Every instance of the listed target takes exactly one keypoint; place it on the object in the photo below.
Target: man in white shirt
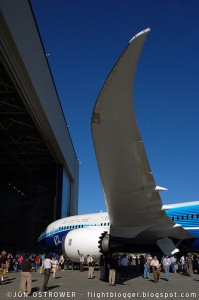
(90, 263)
(173, 261)
(166, 265)
(155, 268)
(81, 262)
(47, 268)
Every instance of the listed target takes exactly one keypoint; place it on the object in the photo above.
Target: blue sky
(85, 38)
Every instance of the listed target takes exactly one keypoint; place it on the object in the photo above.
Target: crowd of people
(185, 265)
(113, 268)
(116, 268)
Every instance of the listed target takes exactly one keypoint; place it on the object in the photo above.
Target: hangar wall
(25, 73)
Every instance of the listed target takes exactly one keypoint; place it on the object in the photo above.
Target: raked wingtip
(139, 34)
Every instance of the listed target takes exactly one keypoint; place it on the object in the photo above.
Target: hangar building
(39, 169)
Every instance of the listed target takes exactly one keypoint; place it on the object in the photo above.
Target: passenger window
(70, 242)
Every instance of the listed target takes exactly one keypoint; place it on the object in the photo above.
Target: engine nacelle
(84, 241)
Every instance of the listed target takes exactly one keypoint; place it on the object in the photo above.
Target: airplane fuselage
(53, 235)
(184, 214)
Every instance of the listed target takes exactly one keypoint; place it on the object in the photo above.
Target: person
(113, 266)
(16, 263)
(189, 265)
(137, 262)
(67, 263)
(133, 263)
(155, 268)
(1, 275)
(102, 267)
(90, 263)
(8, 261)
(61, 262)
(182, 260)
(57, 257)
(124, 263)
(166, 265)
(141, 260)
(20, 259)
(26, 279)
(81, 262)
(37, 262)
(54, 264)
(32, 260)
(197, 261)
(173, 263)
(2, 267)
(3, 261)
(183, 266)
(146, 267)
(47, 268)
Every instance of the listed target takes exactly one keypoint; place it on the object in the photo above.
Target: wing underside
(133, 202)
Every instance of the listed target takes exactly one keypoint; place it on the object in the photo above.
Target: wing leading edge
(131, 195)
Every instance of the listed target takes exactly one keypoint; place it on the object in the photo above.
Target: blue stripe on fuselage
(53, 241)
(187, 216)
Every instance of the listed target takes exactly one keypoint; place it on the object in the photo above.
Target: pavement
(73, 284)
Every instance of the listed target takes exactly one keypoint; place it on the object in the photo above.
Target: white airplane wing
(131, 195)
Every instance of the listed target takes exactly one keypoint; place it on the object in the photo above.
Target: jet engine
(83, 241)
